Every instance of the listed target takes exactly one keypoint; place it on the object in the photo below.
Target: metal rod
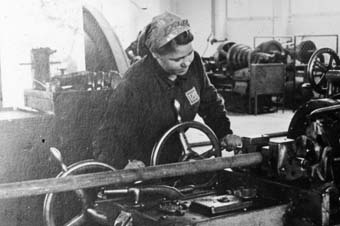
(273, 37)
(324, 35)
(200, 144)
(319, 111)
(120, 177)
(277, 134)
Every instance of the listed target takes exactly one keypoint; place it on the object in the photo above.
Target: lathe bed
(269, 203)
(207, 207)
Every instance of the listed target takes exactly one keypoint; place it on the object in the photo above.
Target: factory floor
(246, 125)
(251, 125)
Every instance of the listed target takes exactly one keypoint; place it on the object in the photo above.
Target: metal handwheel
(187, 153)
(319, 64)
(87, 212)
(187, 148)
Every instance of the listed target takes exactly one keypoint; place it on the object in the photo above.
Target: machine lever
(184, 140)
(167, 191)
(57, 155)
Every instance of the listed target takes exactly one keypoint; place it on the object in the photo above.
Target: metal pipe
(317, 112)
(276, 134)
(119, 177)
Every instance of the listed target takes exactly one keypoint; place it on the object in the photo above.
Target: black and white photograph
(169, 113)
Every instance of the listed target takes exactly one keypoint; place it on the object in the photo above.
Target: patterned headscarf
(162, 29)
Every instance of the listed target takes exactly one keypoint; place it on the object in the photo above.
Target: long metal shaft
(120, 177)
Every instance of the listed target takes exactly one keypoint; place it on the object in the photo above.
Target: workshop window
(249, 8)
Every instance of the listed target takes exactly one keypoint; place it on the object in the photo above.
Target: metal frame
(273, 37)
(324, 35)
(311, 36)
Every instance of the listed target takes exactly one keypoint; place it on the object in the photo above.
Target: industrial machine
(285, 178)
(323, 72)
(301, 89)
(241, 73)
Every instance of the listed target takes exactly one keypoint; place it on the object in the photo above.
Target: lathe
(285, 178)
(288, 178)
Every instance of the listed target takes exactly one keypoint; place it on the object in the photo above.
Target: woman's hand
(231, 142)
(134, 164)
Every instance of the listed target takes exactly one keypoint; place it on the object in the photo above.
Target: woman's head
(169, 40)
(163, 29)
(177, 55)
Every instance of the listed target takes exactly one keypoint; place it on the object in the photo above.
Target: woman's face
(177, 61)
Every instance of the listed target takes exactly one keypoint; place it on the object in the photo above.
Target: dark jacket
(141, 110)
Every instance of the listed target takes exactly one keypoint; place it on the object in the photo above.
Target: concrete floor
(246, 125)
(251, 125)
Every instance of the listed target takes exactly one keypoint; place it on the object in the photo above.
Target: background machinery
(274, 72)
(235, 69)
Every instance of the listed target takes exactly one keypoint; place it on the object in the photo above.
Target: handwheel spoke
(331, 58)
(184, 142)
(321, 66)
(321, 62)
(159, 156)
(318, 70)
(190, 155)
(208, 153)
(322, 80)
(97, 216)
(84, 195)
(77, 220)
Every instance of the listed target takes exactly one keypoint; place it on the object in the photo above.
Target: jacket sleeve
(212, 108)
(120, 122)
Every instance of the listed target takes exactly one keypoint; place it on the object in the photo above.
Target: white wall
(250, 23)
(199, 14)
(243, 31)
(286, 22)
(316, 25)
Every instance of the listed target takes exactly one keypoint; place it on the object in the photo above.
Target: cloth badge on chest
(192, 96)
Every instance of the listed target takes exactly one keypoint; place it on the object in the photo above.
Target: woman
(141, 108)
